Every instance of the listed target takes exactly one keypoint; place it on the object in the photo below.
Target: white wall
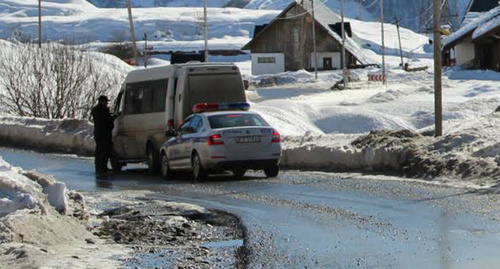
(268, 68)
(336, 59)
(465, 52)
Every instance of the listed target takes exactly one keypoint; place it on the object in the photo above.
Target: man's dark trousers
(103, 125)
(102, 153)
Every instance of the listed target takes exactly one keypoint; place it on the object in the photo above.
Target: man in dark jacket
(103, 125)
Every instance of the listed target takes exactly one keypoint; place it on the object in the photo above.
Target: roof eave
(249, 44)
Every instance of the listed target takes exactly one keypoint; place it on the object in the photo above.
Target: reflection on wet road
(321, 220)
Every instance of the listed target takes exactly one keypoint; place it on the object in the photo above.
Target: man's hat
(103, 98)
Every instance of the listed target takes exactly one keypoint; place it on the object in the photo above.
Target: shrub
(53, 82)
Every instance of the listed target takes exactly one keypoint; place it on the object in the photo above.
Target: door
(188, 140)
(327, 63)
(176, 148)
(118, 133)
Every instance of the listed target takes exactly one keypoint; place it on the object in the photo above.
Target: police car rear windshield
(236, 120)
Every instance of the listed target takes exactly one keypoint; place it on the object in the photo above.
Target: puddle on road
(150, 260)
(224, 244)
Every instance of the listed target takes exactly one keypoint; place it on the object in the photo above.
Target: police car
(221, 137)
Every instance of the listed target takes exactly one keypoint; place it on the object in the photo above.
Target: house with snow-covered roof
(477, 43)
(286, 43)
(477, 8)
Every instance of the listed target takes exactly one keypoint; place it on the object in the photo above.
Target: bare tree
(53, 82)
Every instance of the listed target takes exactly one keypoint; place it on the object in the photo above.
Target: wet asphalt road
(321, 220)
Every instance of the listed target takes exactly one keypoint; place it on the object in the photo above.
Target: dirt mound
(429, 157)
(168, 233)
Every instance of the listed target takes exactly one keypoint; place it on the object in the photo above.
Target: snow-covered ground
(308, 112)
(174, 28)
(367, 127)
(41, 219)
(80, 22)
(327, 128)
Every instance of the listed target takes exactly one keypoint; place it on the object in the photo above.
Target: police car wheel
(272, 171)
(165, 168)
(199, 173)
(239, 173)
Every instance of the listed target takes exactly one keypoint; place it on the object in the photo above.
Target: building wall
(292, 35)
(335, 56)
(487, 54)
(465, 52)
(265, 66)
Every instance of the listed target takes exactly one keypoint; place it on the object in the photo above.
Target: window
(118, 105)
(185, 127)
(212, 88)
(266, 60)
(191, 126)
(197, 123)
(146, 97)
(236, 120)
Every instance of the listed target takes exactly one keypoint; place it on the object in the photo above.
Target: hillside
(168, 3)
(78, 21)
(414, 14)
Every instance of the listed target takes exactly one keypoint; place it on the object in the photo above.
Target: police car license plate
(248, 139)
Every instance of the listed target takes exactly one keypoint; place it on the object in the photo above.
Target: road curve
(321, 220)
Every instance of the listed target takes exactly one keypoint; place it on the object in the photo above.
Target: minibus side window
(145, 97)
(159, 95)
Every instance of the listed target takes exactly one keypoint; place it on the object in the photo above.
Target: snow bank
(43, 225)
(18, 192)
(468, 154)
(30, 190)
(67, 135)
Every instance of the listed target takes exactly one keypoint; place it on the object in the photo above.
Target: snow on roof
(326, 17)
(472, 26)
(486, 27)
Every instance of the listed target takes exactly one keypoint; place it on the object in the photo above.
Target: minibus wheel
(153, 162)
(115, 165)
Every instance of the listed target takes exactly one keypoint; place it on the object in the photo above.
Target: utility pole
(360, 10)
(145, 37)
(400, 47)
(457, 18)
(345, 76)
(205, 28)
(40, 24)
(132, 32)
(438, 102)
(314, 41)
(383, 39)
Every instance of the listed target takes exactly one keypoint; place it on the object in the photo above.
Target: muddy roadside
(123, 229)
(167, 234)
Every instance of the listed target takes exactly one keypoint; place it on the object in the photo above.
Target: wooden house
(476, 44)
(286, 43)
